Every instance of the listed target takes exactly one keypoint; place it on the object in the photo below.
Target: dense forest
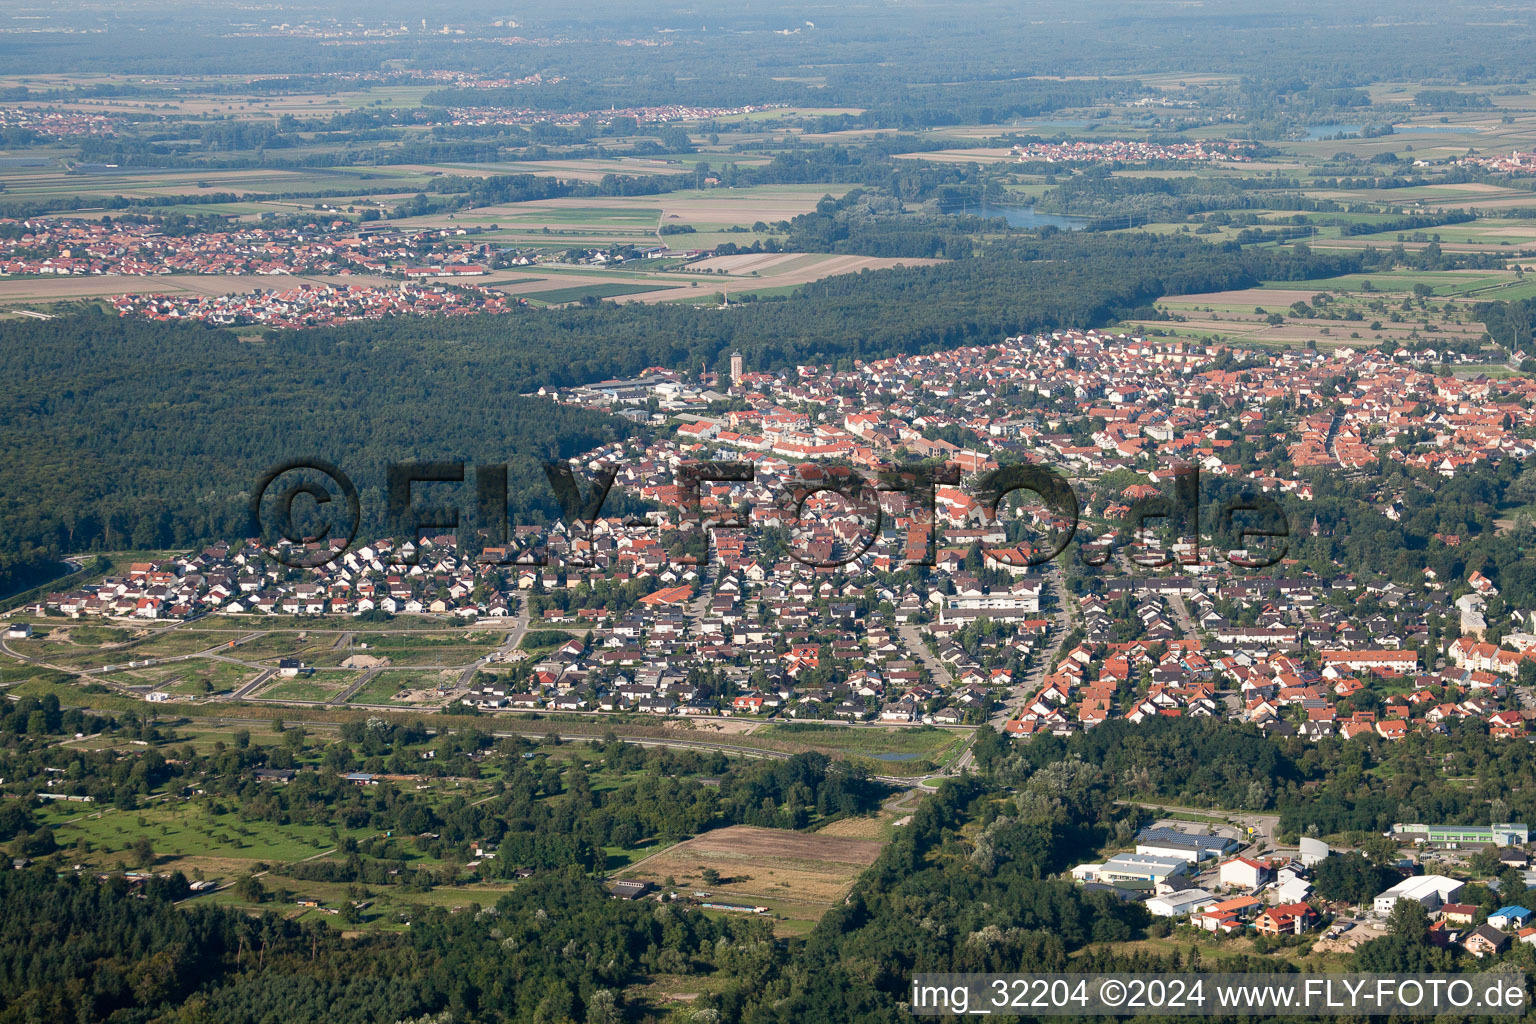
(73, 948)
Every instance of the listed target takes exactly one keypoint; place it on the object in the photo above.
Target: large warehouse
(1430, 891)
(1464, 835)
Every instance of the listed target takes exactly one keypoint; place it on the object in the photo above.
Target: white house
(1242, 873)
(1180, 904)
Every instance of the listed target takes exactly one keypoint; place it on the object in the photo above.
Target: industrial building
(1171, 842)
(1430, 891)
(1463, 835)
(1132, 867)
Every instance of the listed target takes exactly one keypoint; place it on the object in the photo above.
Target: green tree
(249, 889)
(143, 852)
(1408, 921)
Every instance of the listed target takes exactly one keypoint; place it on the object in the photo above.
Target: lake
(1319, 132)
(1020, 216)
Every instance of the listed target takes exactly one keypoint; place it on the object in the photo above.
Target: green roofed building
(1464, 835)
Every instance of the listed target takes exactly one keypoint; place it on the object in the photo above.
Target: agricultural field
(267, 185)
(1419, 308)
(740, 274)
(979, 155)
(591, 169)
(797, 875)
(600, 290)
(893, 814)
(635, 219)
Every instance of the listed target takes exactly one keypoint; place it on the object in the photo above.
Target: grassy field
(386, 908)
(899, 750)
(616, 858)
(12, 675)
(633, 218)
(697, 281)
(386, 685)
(190, 678)
(183, 830)
(545, 639)
(274, 646)
(334, 624)
(320, 686)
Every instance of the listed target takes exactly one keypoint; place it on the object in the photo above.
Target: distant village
(57, 124)
(315, 305)
(1514, 162)
(331, 244)
(1133, 151)
(480, 116)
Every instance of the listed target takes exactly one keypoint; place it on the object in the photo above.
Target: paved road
(345, 695)
(514, 637)
(698, 607)
(253, 685)
(1181, 616)
(912, 639)
(1061, 626)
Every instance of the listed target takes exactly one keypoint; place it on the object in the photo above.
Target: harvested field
(573, 170)
(961, 156)
(741, 272)
(856, 828)
(775, 270)
(639, 216)
(764, 863)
